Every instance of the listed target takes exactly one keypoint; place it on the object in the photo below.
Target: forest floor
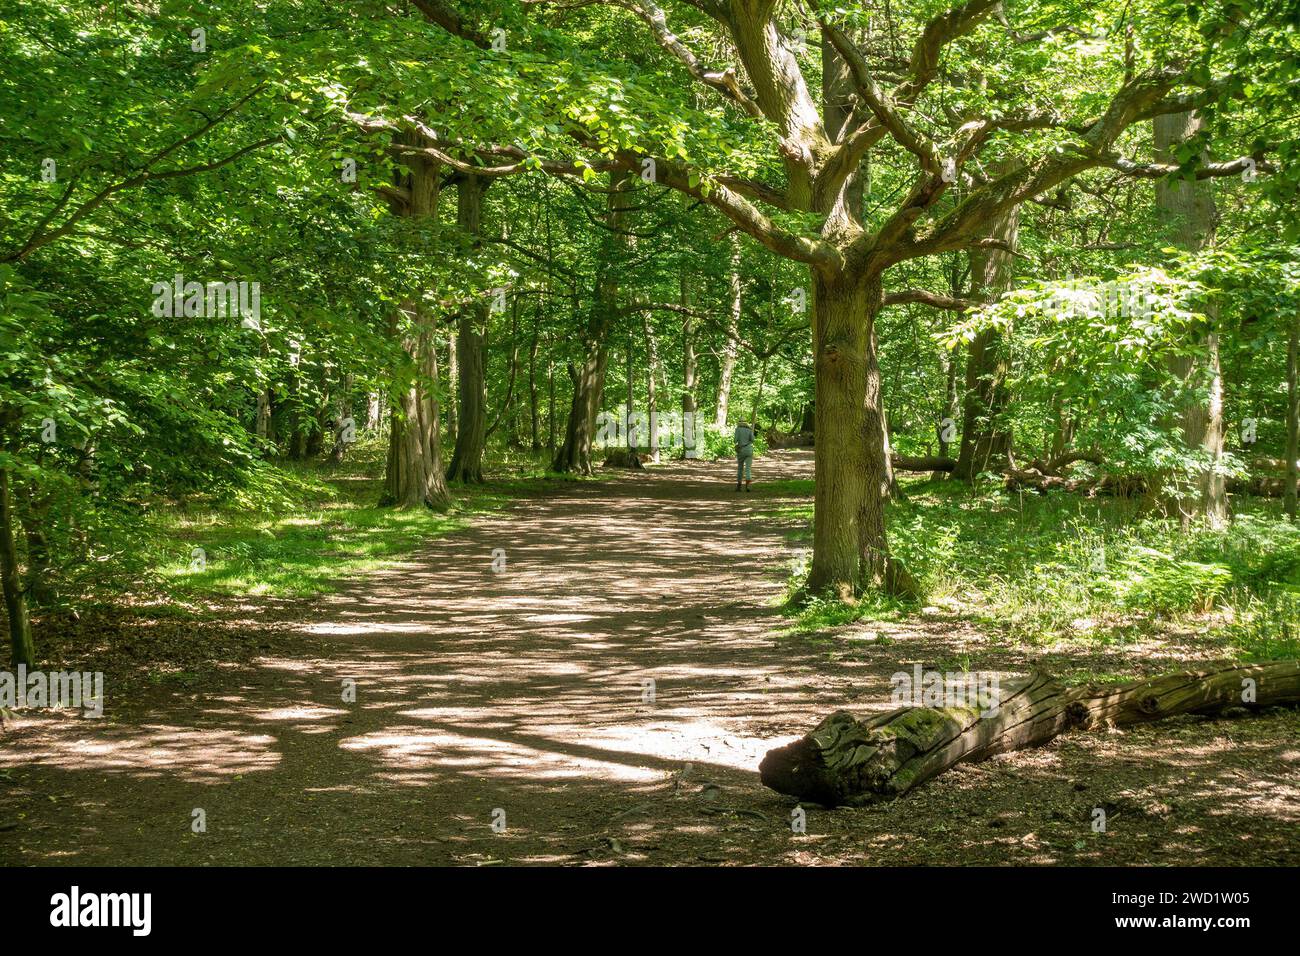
(518, 694)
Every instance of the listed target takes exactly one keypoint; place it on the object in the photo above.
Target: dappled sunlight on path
(598, 671)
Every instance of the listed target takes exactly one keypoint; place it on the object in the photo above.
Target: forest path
(523, 690)
(522, 687)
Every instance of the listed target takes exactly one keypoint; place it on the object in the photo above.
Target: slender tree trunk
(550, 397)
(876, 398)
(633, 439)
(22, 650)
(298, 433)
(730, 347)
(342, 412)
(1292, 419)
(453, 384)
(471, 425)
(40, 573)
(757, 404)
(652, 374)
(316, 436)
(262, 420)
(263, 423)
(948, 411)
(535, 442)
(507, 404)
(690, 403)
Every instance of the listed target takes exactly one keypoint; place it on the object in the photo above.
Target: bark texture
(847, 761)
(471, 343)
(22, 650)
(588, 374)
(985, 441)
(727, 357)
(1188, 209)
(413, 475)
(1292, 419)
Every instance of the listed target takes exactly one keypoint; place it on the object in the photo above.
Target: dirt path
(523, 689)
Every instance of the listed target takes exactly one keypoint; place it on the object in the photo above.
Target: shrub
(1157, 582)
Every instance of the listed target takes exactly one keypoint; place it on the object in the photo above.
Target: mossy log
(847, 761)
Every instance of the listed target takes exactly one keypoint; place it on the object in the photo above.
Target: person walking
(744, 455)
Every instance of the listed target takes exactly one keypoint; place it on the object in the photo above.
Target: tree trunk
(1292, 419)
(588, 376)
(22, 650)
(413, 476)
(316, 436)
(948, 410)
(453, 383)
(730, 348)
(471, 389)
(758, 394)
(851, 460)
(262, 425)
(535, 436)
(550, 396)
(850, 549)
(1189, 212)
(262, 417)
(690, 402)
(845, 761)
(876, 398)
(297, 447)
(651, 395)
(508, 403)
(342, 413)
(985, 442)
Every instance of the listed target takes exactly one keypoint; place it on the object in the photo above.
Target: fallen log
(1121, 486)
(624, 458)
(1063, 461)
(845, 761)
(776, 440)
(1268, 464)
(923, 463)
(1262, 486)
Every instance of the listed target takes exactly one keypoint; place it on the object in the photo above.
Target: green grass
(324, 527)
(1043, 569)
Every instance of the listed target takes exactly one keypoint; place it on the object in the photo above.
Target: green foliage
(301, 533)
(1156, 582)
(714, 442)
(1041, 569)
(1267, 628)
